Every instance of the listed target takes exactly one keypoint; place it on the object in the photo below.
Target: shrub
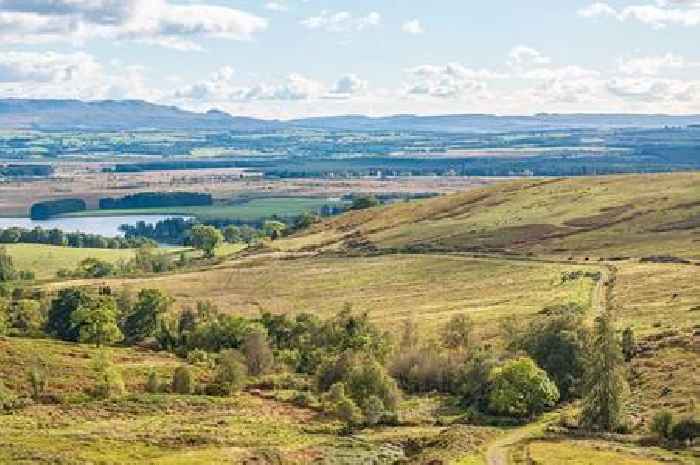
(230, 373)
(304, 399)
(369, 379)
(662, 423)
(109, 382)
(458, 333)
(152, 384)
(8, 400)
(183, 381)
(59, 322)
(200, 357)
(521, 389)
(257, 352)
(38, 379)
(7, 267)
(687, 429)
(374, 410)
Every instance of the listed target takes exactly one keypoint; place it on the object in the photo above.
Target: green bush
(108, 378)
(152, 384)
(230, 373)
(183, 381)
(521, 389)
(662, 423)
(8, 400)
(257, 352)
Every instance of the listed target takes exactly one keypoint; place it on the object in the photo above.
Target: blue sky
(290, 58)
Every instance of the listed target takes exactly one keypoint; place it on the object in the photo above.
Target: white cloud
(276, 6)
(342, 21)
(413, 27)
(349, 85)
(653, 65)
(523, 56)
(564, 72)
(69, 75)
(658, 14)
(655, 90)
(153, 21)
(449, 81)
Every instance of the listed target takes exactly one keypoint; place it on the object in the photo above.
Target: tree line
(156, 199)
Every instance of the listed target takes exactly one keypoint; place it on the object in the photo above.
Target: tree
(458, 332)
(257, 352)
(95, 268)
(521, 389)
(558, 341)
(206, 239)
(146, 315)
(230, 373)
(605, 385)
(60, 323)
(7, 267)
(108, 378)
(97, 322)
(274, 229)
(4, 319)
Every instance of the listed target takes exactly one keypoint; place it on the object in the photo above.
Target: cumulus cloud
(153, 21)
(654, 89)
(69, 75)
(523, 56)
(413, 27)
(349, 85)
(658, 14)
(342, 21)
(448, 81)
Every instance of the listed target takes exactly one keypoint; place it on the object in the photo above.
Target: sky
(298, 58)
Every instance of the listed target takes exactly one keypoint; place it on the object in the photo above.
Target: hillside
(615, 216)
(115, 115)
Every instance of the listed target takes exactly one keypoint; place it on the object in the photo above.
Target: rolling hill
(596, 217)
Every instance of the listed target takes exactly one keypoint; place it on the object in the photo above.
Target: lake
(107, 226)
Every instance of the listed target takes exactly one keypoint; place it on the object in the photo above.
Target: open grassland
(607, 216)
(392, 288)
(586, 453)
(249, 211)
(46, 260)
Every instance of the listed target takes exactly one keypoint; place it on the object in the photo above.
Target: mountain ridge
(108, 115)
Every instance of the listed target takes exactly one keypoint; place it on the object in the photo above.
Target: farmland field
(46, 260)
(246, 211)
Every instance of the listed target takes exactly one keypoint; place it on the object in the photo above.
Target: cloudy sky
(289, 58)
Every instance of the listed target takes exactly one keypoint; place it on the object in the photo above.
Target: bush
(7, 267)
(200, 357)
(152, 384)
(8, 400)
(662, 423)
(230, 373)
(521, 389)
(304, 399)
(38, 379)
(687, 429)
(109, 382)
(257, 352)
(183, 381)
(374, 410)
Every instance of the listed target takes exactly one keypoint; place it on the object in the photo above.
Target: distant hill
(116, 115)
(604, 216)
(120, 115)
(492, 123)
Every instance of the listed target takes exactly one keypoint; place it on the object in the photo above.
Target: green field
(46, 260)
(250, 211)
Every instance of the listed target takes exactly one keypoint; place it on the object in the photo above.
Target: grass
(392, 288)
(584, 453)
(250, 211)
(46, 260)
(636, 215)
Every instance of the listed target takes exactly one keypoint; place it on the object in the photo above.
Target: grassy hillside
(392, 288)
(609, 216)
